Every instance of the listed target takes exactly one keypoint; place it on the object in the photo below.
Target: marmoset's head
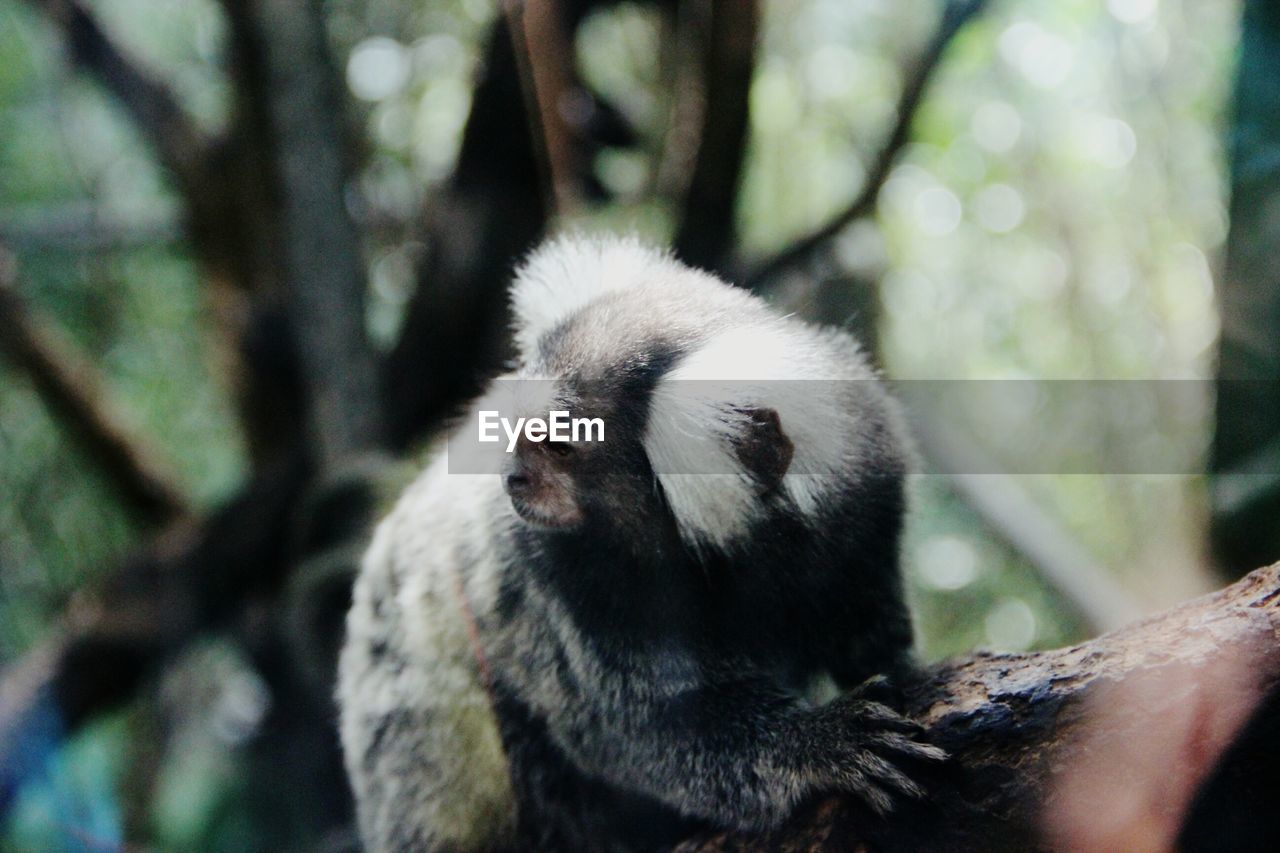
(716, 411)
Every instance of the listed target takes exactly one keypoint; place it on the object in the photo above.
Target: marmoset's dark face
(593, 482)
(541, 480)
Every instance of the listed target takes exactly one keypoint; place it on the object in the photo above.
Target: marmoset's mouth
(540, 516)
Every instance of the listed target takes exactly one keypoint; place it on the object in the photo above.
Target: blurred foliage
(1055, 219)
(135, 312)
(1058, 216)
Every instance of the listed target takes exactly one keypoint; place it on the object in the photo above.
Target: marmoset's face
(541, 480)
(600, 479)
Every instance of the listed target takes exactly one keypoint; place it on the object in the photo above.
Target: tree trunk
(1246, 447)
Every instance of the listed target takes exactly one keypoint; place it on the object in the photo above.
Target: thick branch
(1247, 390)
(954, 17)
(492, 213)
(71, 388)
(323, 268)
(1107, 745)
(708, 227)
(162, 120)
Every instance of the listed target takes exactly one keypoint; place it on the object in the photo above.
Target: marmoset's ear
(763, 448)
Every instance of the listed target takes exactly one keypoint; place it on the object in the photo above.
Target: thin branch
(682, 42)
(180, 145)
(707, 228)
(72, 389)
(954, 17)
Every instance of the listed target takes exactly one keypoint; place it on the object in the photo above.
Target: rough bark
(1102, 746)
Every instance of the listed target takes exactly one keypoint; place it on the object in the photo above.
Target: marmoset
(617, 643)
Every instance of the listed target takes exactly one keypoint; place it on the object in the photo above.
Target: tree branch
(324, 273)
(1247, 393)
(192, 578)
(1120, 743)
(544, 59)
(492, 212)
(71, 388)
(708, 227)
(181, 147)
(954, 17)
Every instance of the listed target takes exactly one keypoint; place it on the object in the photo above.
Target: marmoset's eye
(560, 448)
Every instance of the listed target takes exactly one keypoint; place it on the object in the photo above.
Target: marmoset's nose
(517, 476)
(517, 482)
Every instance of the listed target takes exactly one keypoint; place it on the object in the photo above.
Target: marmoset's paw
(868, 743)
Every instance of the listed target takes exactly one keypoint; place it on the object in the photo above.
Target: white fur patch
(567, 273)
(696, 413)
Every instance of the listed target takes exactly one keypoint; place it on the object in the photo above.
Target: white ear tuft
(565, 273)
(698, 408)
(688, 441)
